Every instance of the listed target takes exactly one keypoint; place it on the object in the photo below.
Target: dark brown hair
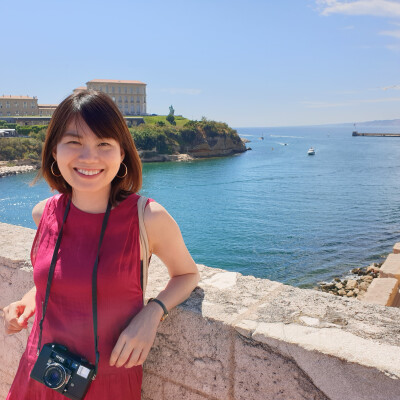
(103, 117)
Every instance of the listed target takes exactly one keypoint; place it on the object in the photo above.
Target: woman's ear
(122, 154)
(54, 154)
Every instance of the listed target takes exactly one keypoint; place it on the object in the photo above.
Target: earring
(52, 170)
(126, 171)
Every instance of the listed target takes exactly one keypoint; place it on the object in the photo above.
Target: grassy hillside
(155, 119)
(155, 134)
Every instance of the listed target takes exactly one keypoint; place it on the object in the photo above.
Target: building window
(25, 104)
(16, 104)
(32, 105)
(132, 100)
(25, 113)
(8, 113)
(126, 90)
(119, 99)
(7, 104)
(131, 90)
(1, 105)
(113, 99)
(119, 89)
(132, 109)
(112, 89)
(106, 88)
(137, 90)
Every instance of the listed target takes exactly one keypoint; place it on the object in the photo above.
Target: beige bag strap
(144, 244)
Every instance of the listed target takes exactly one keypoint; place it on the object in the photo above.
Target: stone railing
(239, 338)
(385, 289)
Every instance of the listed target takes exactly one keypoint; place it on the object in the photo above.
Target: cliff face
(196, 139)
(217, 146)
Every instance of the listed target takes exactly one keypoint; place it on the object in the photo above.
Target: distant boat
(311, 151)
(262, 137)
(285, 144)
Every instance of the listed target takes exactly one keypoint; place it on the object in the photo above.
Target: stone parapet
(391, 267)
(383, 291)
(238, 337)
(396, 248)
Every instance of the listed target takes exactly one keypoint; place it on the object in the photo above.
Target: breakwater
(238, 337)
(355, 133)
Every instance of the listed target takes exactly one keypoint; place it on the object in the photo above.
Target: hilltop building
(129, 96)
(24, 106)
(18, 105)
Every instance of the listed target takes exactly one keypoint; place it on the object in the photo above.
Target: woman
(90, 158)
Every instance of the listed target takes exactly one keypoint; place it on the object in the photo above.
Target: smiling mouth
(88, 172)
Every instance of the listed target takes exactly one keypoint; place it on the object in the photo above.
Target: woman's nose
(88, 153)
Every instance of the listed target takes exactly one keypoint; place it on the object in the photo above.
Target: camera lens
(54, 376)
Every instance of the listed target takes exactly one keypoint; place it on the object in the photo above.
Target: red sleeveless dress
(69, 318)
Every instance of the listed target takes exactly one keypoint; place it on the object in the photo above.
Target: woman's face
(86, 162)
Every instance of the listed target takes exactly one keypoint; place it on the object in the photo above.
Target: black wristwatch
(161, 304)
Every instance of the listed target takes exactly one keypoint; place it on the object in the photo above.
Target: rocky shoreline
(16, 169)
(355, 285)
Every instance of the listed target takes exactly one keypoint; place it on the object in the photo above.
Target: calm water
(272, 212)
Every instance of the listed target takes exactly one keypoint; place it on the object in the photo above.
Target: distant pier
(355, 133)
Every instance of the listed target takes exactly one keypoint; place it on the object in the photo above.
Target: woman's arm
(17, 314)
(165, 241)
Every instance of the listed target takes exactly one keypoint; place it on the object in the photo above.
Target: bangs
(98, 116)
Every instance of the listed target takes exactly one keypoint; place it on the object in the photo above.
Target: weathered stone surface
(262, 373)
(175, 392)
(16, 243)
(152, 386)
(196, 353)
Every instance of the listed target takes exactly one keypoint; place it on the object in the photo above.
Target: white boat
(311, 151)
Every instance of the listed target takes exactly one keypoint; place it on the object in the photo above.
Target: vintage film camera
(62, 371)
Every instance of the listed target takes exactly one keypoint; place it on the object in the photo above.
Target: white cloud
(395, 34)
(323, 104)
(395, 87)
(188, 91)
(377, 8)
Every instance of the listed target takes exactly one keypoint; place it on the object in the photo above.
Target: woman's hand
(135, 341)
(17, 314)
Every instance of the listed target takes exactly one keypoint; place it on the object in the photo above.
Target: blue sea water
(272, 212)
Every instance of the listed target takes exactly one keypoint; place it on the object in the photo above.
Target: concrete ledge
(238, 337)
(391, 267)
(396, 248)
(383, 291)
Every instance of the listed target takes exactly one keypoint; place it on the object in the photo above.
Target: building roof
(17, 97)
(114, 81)
(48, 105)
(81, 88)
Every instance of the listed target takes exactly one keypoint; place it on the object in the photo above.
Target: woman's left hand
(135, 341)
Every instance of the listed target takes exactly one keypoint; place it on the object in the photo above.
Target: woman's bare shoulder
(37, 211)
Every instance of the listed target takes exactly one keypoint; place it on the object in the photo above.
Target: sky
(248, 63)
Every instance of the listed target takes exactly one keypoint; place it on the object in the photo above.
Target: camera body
(63, 371)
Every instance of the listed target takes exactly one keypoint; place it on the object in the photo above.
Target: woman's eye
(104, 144)
(73, 142)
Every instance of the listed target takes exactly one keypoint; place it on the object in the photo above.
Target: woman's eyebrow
(72, 134)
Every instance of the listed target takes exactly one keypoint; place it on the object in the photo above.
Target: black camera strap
(94, 281)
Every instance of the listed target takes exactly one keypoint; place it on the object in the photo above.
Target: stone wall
(238, 337)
